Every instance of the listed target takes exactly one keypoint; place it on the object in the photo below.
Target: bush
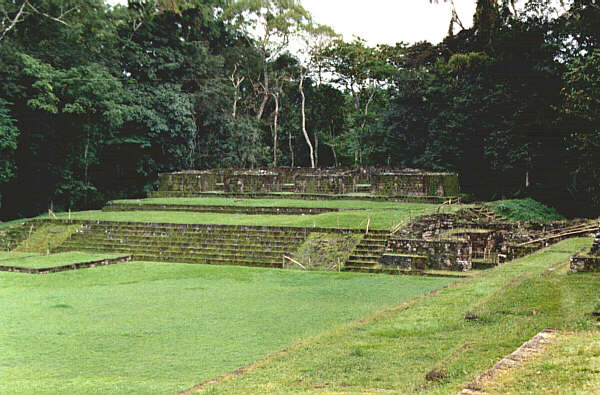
(525, 210)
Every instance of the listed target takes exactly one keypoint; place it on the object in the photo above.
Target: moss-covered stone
(327, 251)
(377, 182)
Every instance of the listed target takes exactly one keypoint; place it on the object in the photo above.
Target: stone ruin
(595, 250)
(385, 182)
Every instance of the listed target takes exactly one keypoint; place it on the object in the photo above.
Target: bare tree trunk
(14, 21)
(331, 143)
(334, 154)
(291, 147)
(261, 109)
(85, 158)
(316, 149)
(275, 119)
(310, 146)
(266, 90)
(236, 81)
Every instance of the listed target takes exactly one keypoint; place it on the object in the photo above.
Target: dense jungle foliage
(96, 100)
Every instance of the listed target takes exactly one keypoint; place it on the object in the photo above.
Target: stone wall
(441, 254)
(374, 181)
(585, 263)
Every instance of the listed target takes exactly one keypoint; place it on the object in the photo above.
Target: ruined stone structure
(595, 250)
(588, 261)
(369, 181)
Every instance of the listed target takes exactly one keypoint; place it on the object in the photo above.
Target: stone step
(189, 239)
(182, 244)
(365, 258)
(143, 232)
(167, 247)
(198, 255)
(359, 263)
(161, 229)
(367, 250)
(190, 252)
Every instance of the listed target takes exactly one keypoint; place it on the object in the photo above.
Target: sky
(386, 21)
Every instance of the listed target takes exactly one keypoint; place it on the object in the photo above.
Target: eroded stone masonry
(371, 181)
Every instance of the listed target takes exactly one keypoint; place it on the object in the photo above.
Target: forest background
(95, 100)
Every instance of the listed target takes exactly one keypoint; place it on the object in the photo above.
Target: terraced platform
(208, 244)
(303, 196)
(196, 208)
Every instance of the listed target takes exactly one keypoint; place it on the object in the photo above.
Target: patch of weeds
(327, 251)
(47, 238)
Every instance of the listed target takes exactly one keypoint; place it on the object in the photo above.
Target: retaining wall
(373, 181)
(441, 254)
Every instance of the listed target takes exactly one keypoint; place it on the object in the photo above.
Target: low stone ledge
(74, 266)
(581, 263)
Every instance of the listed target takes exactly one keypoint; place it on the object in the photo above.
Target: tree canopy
(96, 100)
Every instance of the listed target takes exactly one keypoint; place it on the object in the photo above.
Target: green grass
(525, 210)
(395, 350)
(209, 201)
(15, 255)
(160, 328)
(571, 365)
(36, 261)
(380, 218)
(44, 239)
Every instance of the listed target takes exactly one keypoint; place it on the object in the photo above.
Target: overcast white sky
(386, 21)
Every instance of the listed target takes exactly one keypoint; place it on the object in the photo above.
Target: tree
(8, 145)
(582, 111)
(315, 38)
(361, 71)
(270, 23)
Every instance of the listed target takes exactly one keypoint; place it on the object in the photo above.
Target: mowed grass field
(379, 215)
(160, 328)
(395, 350)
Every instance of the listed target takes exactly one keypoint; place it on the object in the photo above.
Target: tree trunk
(316, 150)
(275, 119)
(291, 147)
(266, 90)
(310, 146)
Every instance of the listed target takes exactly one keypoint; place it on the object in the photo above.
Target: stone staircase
(368, 252)
(206, 244)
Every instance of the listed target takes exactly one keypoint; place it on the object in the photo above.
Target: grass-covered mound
(459, 332)
(525, 210)
(144, 328)
(377, 215)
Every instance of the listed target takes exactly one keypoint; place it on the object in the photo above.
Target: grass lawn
(380, 218)
(216, 201)
(396, 349)
(35, 261)
(159, 328)
(5, 255)
(573, 362)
